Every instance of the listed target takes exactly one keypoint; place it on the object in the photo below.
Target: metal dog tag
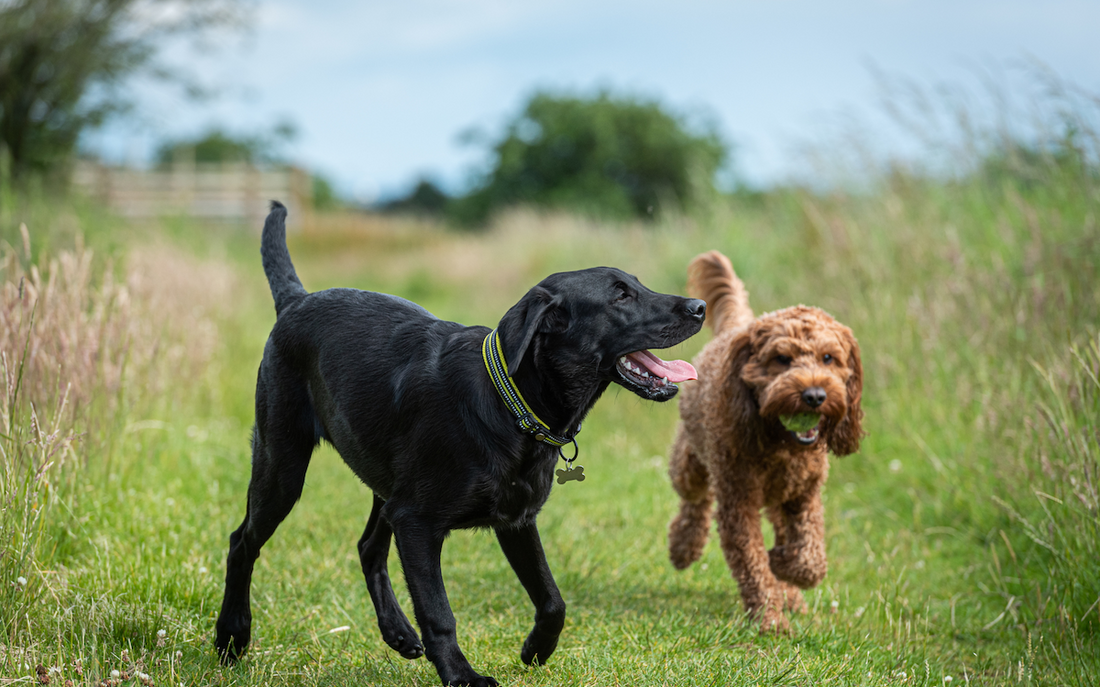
(571, 474)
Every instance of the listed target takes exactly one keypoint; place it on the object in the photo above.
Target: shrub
(608, 156)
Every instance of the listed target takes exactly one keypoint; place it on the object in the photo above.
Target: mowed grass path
(915, 542)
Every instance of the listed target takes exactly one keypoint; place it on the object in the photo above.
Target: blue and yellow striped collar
(526, 419)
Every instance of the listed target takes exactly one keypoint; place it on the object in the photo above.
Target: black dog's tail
(285, 285)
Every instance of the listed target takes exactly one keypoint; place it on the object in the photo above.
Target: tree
(217, 145)
(63, 63)
(426, 200)
(604, 155)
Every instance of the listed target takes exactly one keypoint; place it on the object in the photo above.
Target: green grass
(968, 304)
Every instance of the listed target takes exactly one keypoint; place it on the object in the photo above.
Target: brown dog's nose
(814, 396)
(696, 308)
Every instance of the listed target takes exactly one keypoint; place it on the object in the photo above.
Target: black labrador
(407, 401)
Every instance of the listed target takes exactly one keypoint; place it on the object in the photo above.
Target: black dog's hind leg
(279, 462)
(420, 544)
(523, 549)
(374, 549)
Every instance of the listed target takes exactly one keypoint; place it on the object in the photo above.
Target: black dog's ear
(538, 312)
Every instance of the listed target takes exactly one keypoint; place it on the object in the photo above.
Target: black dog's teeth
(639, 375)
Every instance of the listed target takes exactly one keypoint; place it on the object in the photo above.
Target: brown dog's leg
(799, 557)
(688, 531)
(792, 595)
(743, 545)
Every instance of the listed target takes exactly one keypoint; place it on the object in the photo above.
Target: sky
(380, 92)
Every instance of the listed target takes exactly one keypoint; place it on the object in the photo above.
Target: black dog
(408, 402)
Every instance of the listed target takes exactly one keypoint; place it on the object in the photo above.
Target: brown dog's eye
(783, 359)
(827, 359)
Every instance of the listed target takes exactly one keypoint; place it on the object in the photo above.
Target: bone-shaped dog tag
(571, 474)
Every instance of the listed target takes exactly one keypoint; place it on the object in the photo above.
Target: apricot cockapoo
(775, 395)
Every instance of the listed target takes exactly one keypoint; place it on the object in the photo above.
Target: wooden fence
(231, 192)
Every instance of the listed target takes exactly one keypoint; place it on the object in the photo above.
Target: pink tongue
(675, 370)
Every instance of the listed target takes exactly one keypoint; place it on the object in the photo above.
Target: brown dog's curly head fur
(781, 355)
(733, 447)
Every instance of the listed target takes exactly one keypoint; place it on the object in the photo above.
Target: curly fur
(731, 449)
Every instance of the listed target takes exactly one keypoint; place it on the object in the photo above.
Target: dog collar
(526, 420)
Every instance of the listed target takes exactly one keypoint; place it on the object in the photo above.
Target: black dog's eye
(827, 359)
(783, 359)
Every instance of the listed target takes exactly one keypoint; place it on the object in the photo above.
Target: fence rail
(230, 192)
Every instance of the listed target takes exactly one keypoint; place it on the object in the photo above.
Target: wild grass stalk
(30, 448)
(84, 357)
(1055, 576)
(977, 292)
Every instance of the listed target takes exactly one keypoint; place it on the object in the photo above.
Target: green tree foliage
(265, 148)
(607, 155)
(324, 195)
(63, 64)
(426, 199)
(217, 145)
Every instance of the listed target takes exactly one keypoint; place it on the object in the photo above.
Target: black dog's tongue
(674, 370)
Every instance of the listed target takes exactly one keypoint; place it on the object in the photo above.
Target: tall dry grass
(85, 351)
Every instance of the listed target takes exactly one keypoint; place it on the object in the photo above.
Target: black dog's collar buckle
(569, 473)
(529, 424)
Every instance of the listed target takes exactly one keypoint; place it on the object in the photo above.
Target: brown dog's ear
(744, 411)
(844, 438)
(538, 312)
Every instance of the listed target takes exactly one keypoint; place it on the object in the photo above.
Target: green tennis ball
(800, 423)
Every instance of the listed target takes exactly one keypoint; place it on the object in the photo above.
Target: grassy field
(962, 539)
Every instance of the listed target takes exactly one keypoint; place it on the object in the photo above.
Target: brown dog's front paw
(772, 620)
(803, 567)
(768, 612)
(792, 598)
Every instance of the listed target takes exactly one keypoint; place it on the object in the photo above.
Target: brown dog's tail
(711, 277)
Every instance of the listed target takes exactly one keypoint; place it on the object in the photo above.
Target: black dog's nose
(814, 396)
(696, 308)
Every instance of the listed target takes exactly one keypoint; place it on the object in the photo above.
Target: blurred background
(927, 172)
(412, 106)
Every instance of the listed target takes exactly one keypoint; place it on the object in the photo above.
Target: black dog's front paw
(538, 647)
(408, 646)
(232, 639)
(472, 680)
(400, 635)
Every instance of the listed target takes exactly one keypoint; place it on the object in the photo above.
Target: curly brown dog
(756, 378)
